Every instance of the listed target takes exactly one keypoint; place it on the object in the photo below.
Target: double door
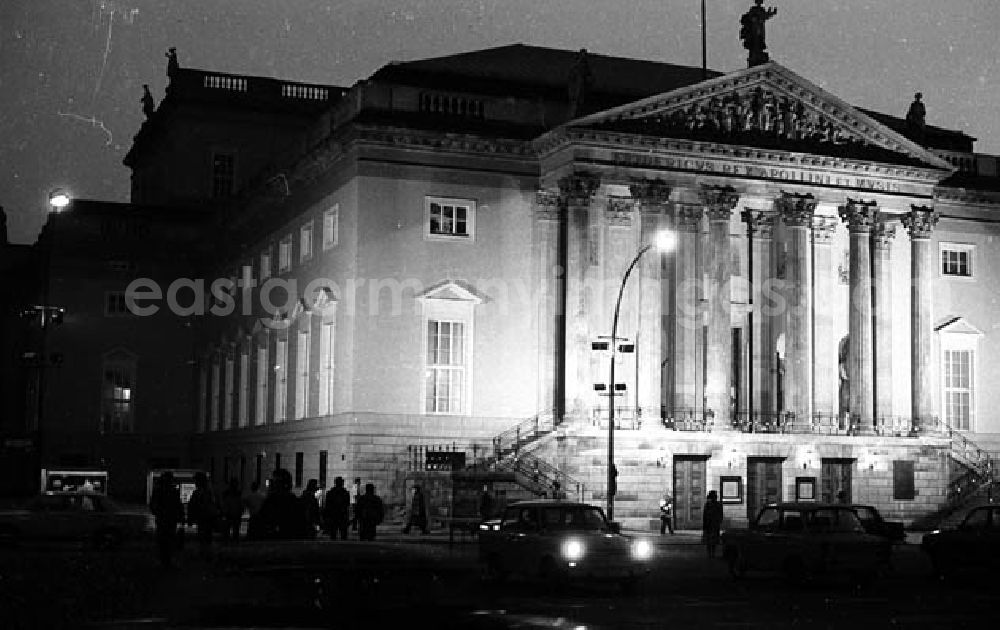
(690, 488)
(763, 483)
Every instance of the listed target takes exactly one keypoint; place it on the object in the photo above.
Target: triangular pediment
(958, 326)
(765, 106)
(450, 290)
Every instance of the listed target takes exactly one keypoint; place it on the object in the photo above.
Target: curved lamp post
(663, 243)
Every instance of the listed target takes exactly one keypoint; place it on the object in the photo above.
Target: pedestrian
(310, 508)
(418, 512)
(370, 513)
(337, 510)
(667, 514)
(711, 522)
(485, 504)
(842, 497)
(356, 496)
(281, 515)
(232, 510)
(253, 502)
(203, 513)
(165, 504)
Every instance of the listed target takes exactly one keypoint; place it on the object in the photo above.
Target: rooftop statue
(917, 114)
(752, 32)
(148, 105)
(580, 81)
(172, 65)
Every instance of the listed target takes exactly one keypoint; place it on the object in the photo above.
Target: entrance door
(763, 483)
(836, 478)
(689, 491)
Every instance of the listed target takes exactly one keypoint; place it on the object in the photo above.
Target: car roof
(549, 503)
(809, 505)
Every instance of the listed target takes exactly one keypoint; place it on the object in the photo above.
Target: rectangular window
(277, 461)
(331, 219)
(958, 381)
(280, 380)
(265, 264)
(902, 481)
(227, 417)
(258, 472)
(450, 218)
(445, 376)
(223, 174)
(202, 398)
(260, 404)
(285, 254)
(216, 392)
(323, 462)
(114, 304)
(306, 242)
(118, 393)
(302, 374)
(956, 260)
(326, 346)
(299, 465)
(244, 387)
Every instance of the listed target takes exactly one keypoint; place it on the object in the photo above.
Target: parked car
(561, 541)
(874, 523)
(804, 540)
(89, 517)
(973, 545)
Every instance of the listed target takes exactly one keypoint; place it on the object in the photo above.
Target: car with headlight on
(562, 541)
(805, 540)
(90, 517)
(973, 546)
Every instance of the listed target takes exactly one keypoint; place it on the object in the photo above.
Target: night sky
(71, 71)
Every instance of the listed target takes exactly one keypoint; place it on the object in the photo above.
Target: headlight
(642, 550)
(573, 550)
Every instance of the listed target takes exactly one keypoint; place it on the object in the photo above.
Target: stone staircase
(973, 483)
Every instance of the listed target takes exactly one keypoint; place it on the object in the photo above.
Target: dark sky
(71, 71)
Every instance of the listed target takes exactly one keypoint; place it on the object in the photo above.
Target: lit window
(445, 375)
(265, 264)
(450, 218)
(331, 219)
(280, 380)
(326, 346)
(956, 260)
(958, 389)
(118, 393)
(285, 254)
(302, 373)
(223, 174)
(114, 304)
(260, 404)
(306, 242)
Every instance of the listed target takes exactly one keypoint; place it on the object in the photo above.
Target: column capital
(796, 209)
(650, 192)
(687, 217)
(579, 188)
(619, 211)
(823, 229)
(859, 215)
(882, 233)
(719, 201)
(547, 204)
(759, 224)
(920, 221)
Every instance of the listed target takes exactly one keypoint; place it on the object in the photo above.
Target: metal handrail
(511, 440)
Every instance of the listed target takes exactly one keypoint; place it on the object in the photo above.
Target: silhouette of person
(165, 504)
(232, 510)
(418, 512)
(337, 509)
(370, 513)
(310, 507)
(203, 512)
(711, 522)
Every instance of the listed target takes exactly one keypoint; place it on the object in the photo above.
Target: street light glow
(59, 199)
(664, 241)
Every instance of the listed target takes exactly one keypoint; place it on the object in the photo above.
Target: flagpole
(704, 43)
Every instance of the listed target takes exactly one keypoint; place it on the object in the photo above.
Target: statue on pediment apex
(752, 32)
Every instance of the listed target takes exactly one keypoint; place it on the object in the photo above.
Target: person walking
(337, 510)
(310, 508)
(711, 522)
(667, 514)
(165, 504)
(232, 510)
(418, 512)
(485, 504)
(203, 512)
(370, 513)
(253, 502)
(281, 515)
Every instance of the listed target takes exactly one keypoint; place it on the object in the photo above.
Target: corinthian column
(882, 235)
(548, 257)
(719, 203)
(687, 323)
(919, 223)
(576, 194)
(825, 378)
(652, 196)
(860, 216)
(797, 213)
(760, 227)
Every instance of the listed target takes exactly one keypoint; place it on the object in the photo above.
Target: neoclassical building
(431, 261)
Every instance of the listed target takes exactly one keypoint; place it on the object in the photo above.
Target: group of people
(278, 514)
(711, 520)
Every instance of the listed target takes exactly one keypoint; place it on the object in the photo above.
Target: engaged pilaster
(920, 222)
(719, 203)
(860, 217)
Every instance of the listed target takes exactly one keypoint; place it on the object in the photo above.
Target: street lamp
(58, 199)
(663, 242)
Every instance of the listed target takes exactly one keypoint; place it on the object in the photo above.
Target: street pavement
(422, 581)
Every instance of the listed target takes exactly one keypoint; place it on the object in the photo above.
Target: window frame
(327, 363)
(331, 214)
(266, 262)
(968, 249)
(215, 178)
(959, 336)
(285, 253)
(118, 307)
(303, 340)
(280, 380)
(470, 219)
(306, 238)
(261, 388)
(126, 363)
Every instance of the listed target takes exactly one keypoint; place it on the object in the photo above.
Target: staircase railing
(542, 478)
(513, 439)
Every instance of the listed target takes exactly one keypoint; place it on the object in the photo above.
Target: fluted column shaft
(920, 223)
(882, 235)
(860, 216)
(719, 204)
(761, 382)
(825, 377)
(576, 194)
(548, 252)
(797, 214)
(687, 323)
